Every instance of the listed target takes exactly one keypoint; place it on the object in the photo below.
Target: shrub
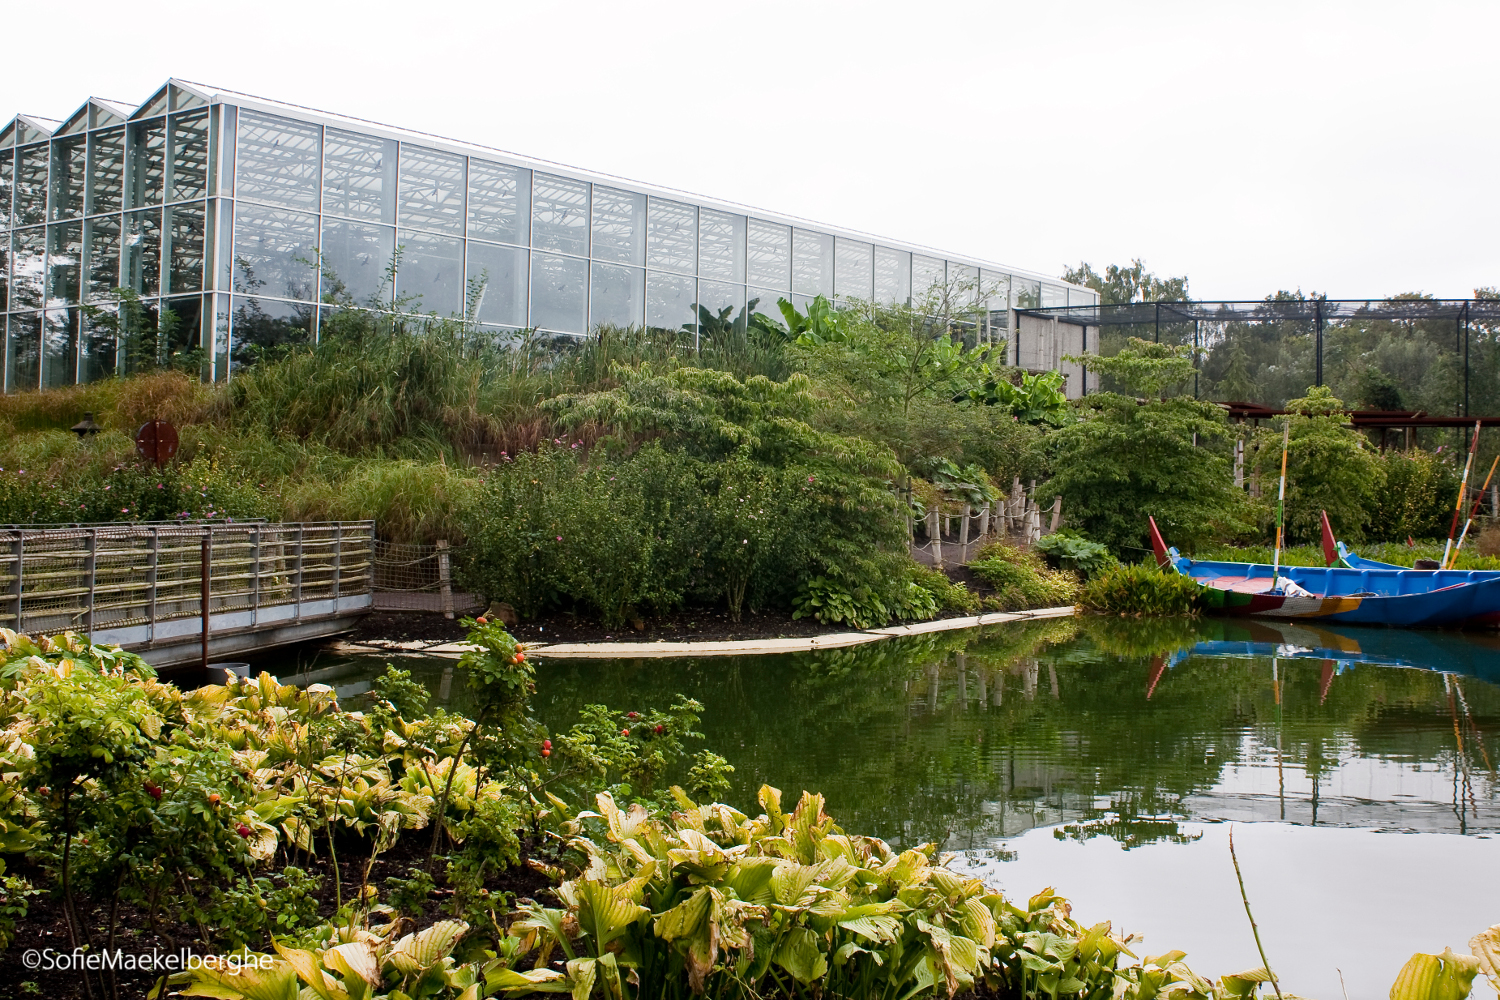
(1415, 500)
(1142, 589)
(1021, 579)
(1078, 554)
(950, 596)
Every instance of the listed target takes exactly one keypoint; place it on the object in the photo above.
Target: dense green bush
(1077, 554)
(1141, 589)
(1415, 498)
(1021, 579)
(205, 488)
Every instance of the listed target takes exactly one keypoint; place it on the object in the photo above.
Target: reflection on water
(1063, 743)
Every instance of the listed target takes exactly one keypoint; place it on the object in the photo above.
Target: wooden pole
(1056, 515)
(1478, 501)
(445, 582)
(1463, 489)
(1286, 440)
(203, 585)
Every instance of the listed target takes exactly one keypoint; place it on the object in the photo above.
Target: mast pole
(1463, 492)
(1478, 500)
(1286, 440)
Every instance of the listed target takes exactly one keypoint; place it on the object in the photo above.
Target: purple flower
(559, 538)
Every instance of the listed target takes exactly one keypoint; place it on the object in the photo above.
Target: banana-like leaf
(416, 953)
(687, 919)
(356, 962)
(1244, 984)
(1436, 977)
(881, 929)
(279, 982)
(1486, 948)
(604, 911)
(800, 954)
(581, 972)
(977, 923)
(770, 801)
(533, 981)
(310, 971)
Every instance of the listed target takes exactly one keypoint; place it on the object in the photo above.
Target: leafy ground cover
(385, 852)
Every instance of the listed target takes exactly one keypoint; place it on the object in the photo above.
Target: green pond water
(1111, 758)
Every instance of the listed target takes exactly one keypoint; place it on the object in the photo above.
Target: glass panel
(75, 125)
(265, 327)
(4, 270)
(672, 236)
(432, 190)
(276, 161)
(100, 350)
(7, 185)
(721, 245)
(671, 301)
(106, 171)
(812, 262)
(355, 261)
(769, 260)
(23, 352)
(1082, 297)
(221, 154)
(101, 117)
(854, 270)
(69, 169)
(927, 277)
(189, 156)
(222, 313)
(763, 301)
(430, 278)
(59, 348)
(1054, 296)
(996, 289)
(141, 343)
(185, 230)
(181, 331)
(1025, 293)
(619, 218)
(560, 214)
(617, 297)
(185, 99)
(559, 292)
(892, 276)
(497, 284)
(721, 312)
(963, 285)
(143, 251)
(147, 165)
(31, 185)
(275, 252)
(64, 258)
(28, 256)
(27, 132)
(155, 106)
(499, 202)
(359, 176)
(102, 256)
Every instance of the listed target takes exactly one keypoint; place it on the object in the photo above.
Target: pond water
(1111, 759)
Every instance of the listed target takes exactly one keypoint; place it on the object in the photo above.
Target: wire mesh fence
(409, 577)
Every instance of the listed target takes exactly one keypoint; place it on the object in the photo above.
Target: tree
(1133, 283)
(1329, 467)
(1124, 460)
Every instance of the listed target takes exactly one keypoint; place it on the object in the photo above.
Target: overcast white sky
(1346, 148)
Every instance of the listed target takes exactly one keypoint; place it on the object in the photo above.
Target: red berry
(632, 716)
(213, 798)
(546, 744)
(624, 732)
(44, 790)
(546, 753)
(482, 620)
(153, 791)
(242, 830)
(660, 730)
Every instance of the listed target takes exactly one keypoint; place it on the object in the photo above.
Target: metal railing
(108, 577)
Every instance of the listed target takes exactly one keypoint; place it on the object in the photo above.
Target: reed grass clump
(1021, 579)
(1141, 589)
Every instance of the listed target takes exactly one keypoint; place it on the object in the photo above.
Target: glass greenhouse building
(204, 215)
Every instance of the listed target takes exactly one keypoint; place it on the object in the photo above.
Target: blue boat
(1355, 596)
